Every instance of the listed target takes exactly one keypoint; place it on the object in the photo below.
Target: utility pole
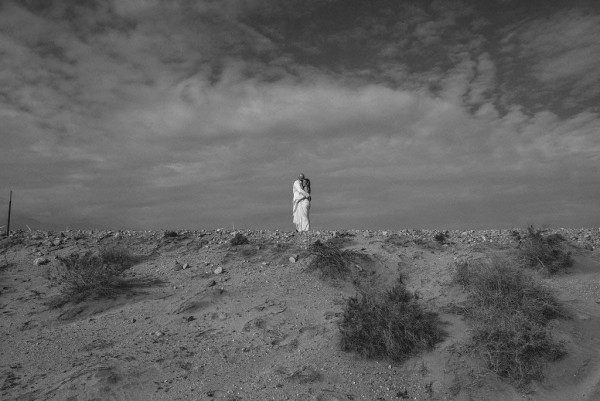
(9, 207)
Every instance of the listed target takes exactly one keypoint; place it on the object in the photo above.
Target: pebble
(41, 261)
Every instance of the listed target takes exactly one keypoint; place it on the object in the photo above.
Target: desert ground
(208, 320)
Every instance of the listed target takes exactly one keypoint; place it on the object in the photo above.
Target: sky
(183, 114)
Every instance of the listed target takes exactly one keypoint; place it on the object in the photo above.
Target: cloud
(175, 114)
(562, 52)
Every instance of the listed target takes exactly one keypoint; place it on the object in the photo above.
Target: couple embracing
(301, 203)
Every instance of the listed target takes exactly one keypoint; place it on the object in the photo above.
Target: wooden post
(9, 207)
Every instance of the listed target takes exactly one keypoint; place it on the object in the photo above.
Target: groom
(301, 203)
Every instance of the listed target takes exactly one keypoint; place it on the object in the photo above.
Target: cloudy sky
(165, 114)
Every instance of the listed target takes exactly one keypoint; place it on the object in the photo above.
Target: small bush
(441, 237)
(510, 312)
(118, 256)
(239, 239)
(513, 346)
(329, 260)
(390, 326)
(91, 274)
(545, 251)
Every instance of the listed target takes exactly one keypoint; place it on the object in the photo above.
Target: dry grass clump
(328, 260)
(510, 312)
(87, 275)
(442, 237)
(538, 250)
(239, 239)
(390, 326)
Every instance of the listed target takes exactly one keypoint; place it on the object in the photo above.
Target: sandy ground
(264, 328)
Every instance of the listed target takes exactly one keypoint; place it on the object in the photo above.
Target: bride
(301, 203)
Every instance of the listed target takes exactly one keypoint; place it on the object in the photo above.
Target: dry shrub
(82, 276)
(510, 312)
(538, 250)
(390, 326)
(442, 237)
(328, 260)
(239, 239)
(118, 256)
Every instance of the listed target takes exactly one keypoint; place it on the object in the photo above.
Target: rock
(211, 283)
(158, 333)
(294, 258)
(117, 236)
(57, 242)
(178, 266)
(186, 265)
(218, 270)
(41, 261)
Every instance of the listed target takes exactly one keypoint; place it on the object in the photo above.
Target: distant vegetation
(510, 313)
(239, 239)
